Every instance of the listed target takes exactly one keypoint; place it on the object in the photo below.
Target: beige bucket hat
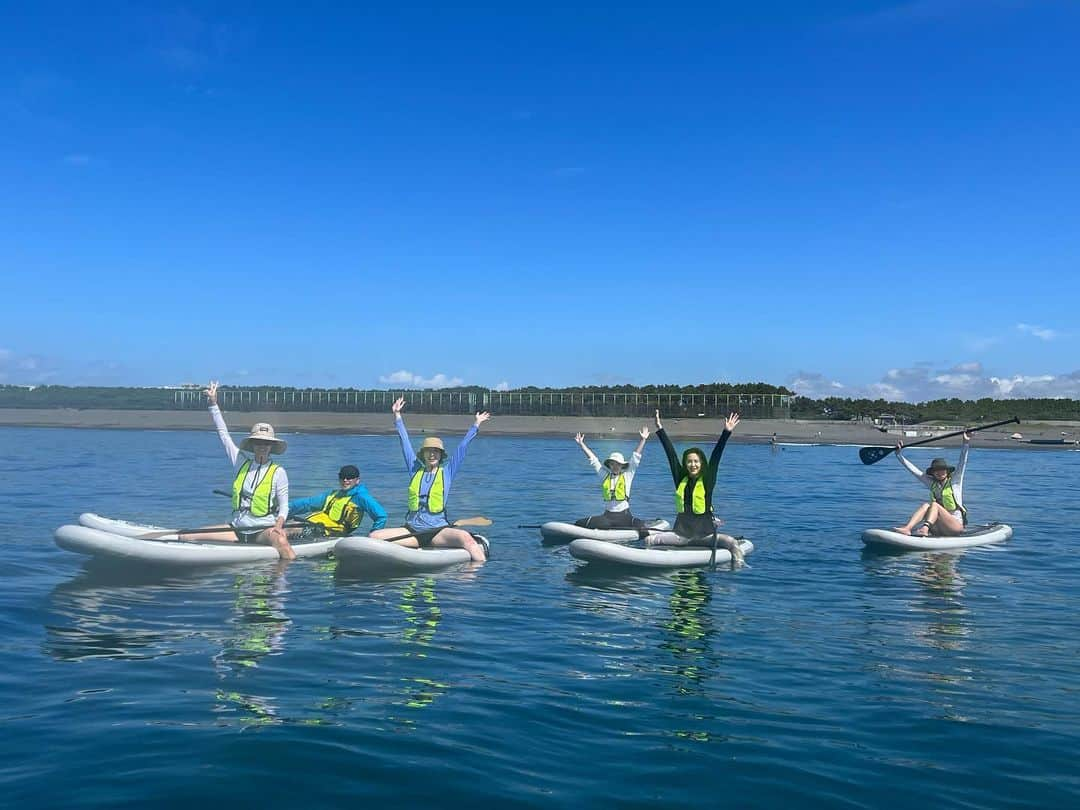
(429, 443)
(264, 432)
(617, 457)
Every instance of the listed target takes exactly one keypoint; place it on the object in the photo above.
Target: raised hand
(580, 438)
(481, 417)
(211, 392)
(659, 426)
(644, 432)
(399, 403)
(731, 422)
(967, 435)
(899, 445)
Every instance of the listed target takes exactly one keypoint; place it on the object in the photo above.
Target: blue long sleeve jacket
(364, 500)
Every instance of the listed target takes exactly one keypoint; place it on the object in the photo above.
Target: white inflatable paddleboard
(174, 552)
(367, 556)
(124, 528)
(600, 551)
(555, 533)
(974, 536)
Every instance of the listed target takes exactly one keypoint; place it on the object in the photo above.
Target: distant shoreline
(750, 431)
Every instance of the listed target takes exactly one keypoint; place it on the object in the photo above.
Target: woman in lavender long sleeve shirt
(430, 480)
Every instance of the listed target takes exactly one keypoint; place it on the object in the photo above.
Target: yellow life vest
(338, 515)
(620, 493)
(436, 499)
(260, 499)
(699, 504)
(942, 492)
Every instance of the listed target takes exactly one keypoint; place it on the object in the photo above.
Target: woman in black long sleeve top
(694, 481)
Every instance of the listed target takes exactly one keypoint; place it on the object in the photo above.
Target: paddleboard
(974, 536)
(614, 554)
(554, 533)
(364, 555)
(174, 552)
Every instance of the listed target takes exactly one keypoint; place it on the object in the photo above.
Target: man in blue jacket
(338, 512)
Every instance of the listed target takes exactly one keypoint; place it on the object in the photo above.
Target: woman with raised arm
(616, 476)
(260, 489)
(429, 491)
(694, 479)
(944, 514)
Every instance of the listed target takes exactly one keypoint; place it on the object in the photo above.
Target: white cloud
(407, 379)
(503, 386)
(816, 386)
(1042, 333)
(922, 383)
(24, 369)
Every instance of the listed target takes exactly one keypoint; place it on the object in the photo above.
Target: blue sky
(850, 198)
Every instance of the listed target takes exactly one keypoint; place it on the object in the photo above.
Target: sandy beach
(750, 431)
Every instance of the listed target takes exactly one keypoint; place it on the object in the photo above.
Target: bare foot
(923, 532)
(903, 530)
(738, 559)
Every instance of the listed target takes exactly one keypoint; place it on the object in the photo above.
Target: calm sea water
(822, 675)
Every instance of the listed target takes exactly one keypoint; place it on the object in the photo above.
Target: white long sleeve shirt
(957, 476)
(610, 481)
(279, 487)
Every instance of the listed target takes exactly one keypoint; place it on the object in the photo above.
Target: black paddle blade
(872, 455)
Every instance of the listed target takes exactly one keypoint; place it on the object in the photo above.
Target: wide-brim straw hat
(264, 432)
(939, 464)
(428, 444)
(617, 457)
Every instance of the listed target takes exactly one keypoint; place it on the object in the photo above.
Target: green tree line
(954, 411)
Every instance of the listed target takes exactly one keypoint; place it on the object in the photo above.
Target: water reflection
(115, 612)
(420, 605)
(942, 591)
(687, 628)
(258, 624)
(936, 618)
(690, 629)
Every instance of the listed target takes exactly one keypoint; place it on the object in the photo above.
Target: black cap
(348, 471)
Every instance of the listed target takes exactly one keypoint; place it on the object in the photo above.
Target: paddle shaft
(954, 433)
(214, 530)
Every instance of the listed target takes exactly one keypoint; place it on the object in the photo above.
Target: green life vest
(699, 503)
(436, 499)
(338, 515)
(942, 492)
(260, 499)
(617, 493)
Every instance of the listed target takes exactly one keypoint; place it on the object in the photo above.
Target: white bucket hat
(264, 432)
(616, 457)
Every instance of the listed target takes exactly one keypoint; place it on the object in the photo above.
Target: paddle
(872, 455)
(479, 520)
(210, 530)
